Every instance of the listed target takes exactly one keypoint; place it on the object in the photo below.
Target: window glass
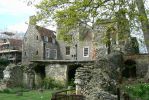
(86, 52)
(68, 50)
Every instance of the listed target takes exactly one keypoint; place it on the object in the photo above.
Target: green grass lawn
(32, 95)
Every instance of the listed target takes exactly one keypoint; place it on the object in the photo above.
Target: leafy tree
(70, 14)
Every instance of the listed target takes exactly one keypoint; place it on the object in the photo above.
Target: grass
(31, 95)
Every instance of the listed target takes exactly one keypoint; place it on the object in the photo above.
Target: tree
(70, 14)
(144, 21)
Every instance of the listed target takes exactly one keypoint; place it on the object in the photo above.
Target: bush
(138, 91)
(50, 83)
(4, 62)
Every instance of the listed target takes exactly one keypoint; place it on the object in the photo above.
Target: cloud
(15, 8)
(14, 14)
(19, 27)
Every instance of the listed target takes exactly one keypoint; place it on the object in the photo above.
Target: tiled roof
(17, 43)
(45, 32)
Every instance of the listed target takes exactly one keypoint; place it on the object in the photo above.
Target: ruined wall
(98, 81)
(13, 75)
(142, 63)
(57, 71)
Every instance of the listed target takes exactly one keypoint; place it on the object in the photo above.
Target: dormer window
(45, 38)
(53, 41)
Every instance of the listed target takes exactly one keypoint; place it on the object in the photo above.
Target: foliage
(4, 62)
(71, 82)
(50, 83)
(71, 14)
(138, 91)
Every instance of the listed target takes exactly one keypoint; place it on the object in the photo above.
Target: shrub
(138, 91)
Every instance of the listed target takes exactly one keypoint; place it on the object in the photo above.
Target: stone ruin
(12, 76)
(99, 81)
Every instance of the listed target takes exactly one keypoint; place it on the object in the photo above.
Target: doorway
(129, 69)
(71, 73)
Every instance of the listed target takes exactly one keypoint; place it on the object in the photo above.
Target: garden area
(135, 90)
(24, 94)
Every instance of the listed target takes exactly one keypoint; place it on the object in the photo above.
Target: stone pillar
(78, 87)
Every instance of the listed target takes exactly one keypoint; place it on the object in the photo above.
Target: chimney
(32, 20)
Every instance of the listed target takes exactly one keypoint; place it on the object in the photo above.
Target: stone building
(11, 49)
(39, 44)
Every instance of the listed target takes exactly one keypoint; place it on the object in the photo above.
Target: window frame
(47, 53)
(66, 50)
(55, 52)
(86, 47)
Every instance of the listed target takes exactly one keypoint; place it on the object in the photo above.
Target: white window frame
(87, 52)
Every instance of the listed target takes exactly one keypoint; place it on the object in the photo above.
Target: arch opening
(129, 69)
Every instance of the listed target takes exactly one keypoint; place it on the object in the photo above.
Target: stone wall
(31, 45)
(141, 63)
(57, 71)
(13, 75)
(98, 81)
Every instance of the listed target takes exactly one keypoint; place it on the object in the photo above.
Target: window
(47, 53)
(46, 38)
(25, 53)
(36, 37)
(68, 50)
(86, 52)
(53, 41)
(53, 53)
(37, 52)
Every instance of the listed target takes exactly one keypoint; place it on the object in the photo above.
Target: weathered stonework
(99, 81)
(13, 75)
(57, 71)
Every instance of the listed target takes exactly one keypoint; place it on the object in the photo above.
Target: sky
(14, 14)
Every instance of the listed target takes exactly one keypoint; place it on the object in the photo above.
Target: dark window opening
(36, 52)
(25, 53)
(130, 69)
(37, 38)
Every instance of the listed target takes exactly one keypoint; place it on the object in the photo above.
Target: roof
(45, 32)
(17, 43)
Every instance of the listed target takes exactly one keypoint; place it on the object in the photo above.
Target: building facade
(11, 49)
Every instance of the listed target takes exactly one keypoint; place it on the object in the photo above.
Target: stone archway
(71, 73)
(129, 70)
(40, 74)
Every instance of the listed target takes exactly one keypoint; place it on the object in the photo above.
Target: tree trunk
(144, 21)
